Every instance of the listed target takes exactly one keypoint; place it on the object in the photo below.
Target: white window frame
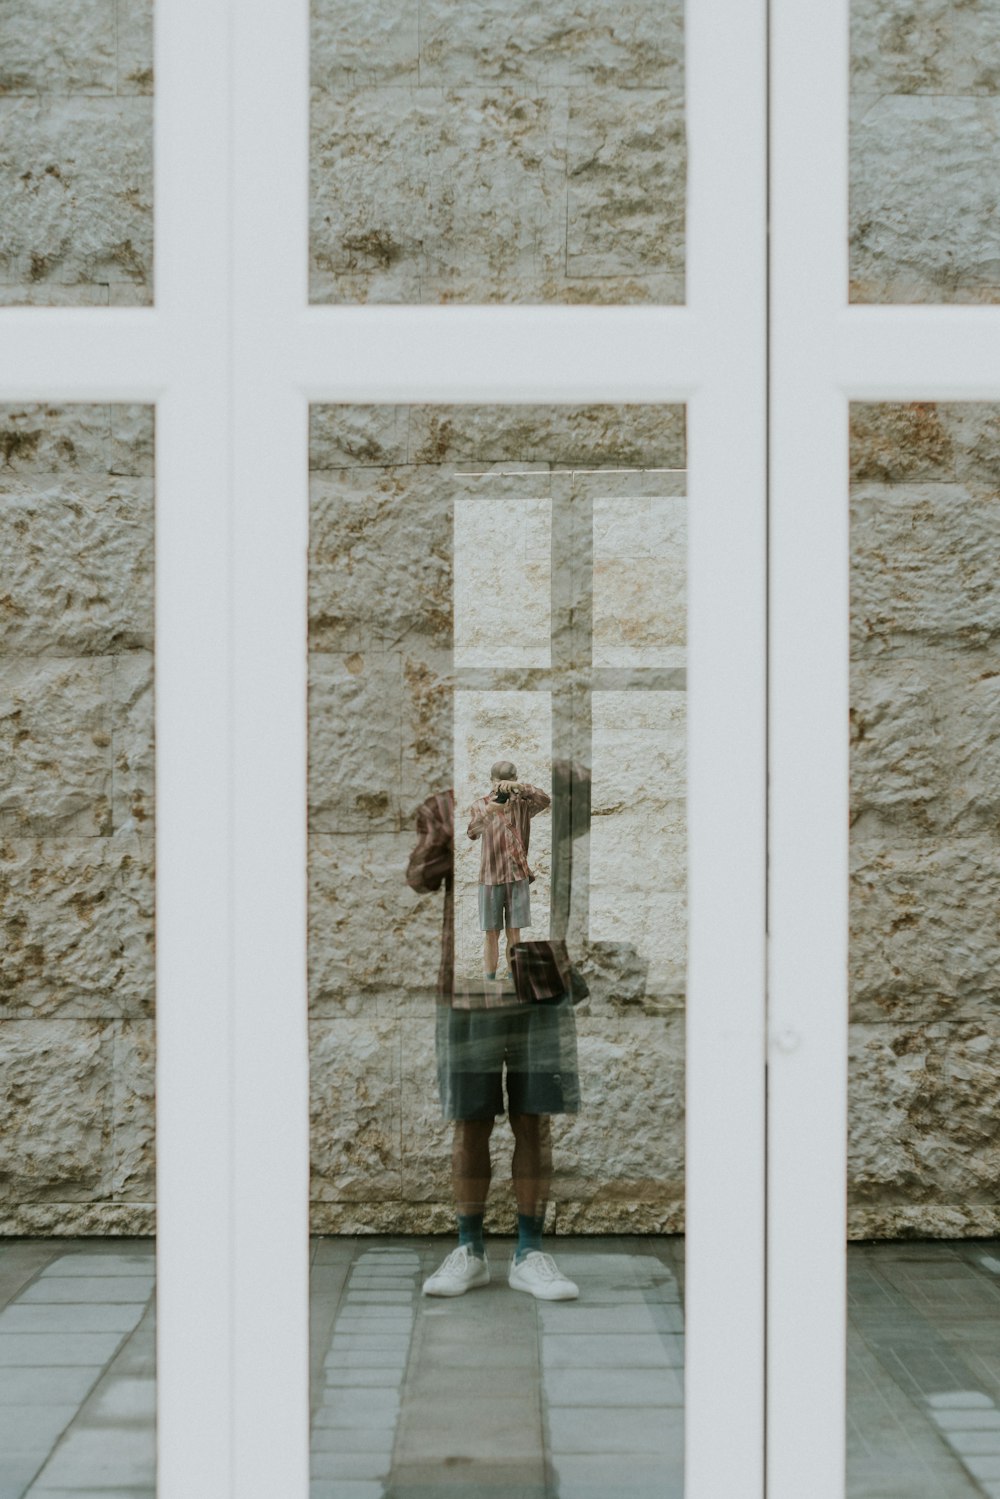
(824, 354)
(232, 356)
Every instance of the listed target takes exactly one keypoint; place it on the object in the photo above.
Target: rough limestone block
(135, 46)
(371, 938)
(77, 919)
(925, 930)
(502, 575)
(925, 178)
(636, 44)
(428, 728)
(76, 192)
(925, 47)
(132, 742)
(561, 436)
(76, 1219)
(422, 196)
(132, 439)
(134, 1111)
(55, 294)
(55, 1110)
(355, 736)
(640, 581)
(354, 1110)
(924, 1101)
(353, 46)
(894, 441)
(39, 438)
(627, 1142)
(79, 573)
(57, 49)
(925, 750)
(357, 436)
(923, 560)
(626, 185)
(380, 564)
(55, 746)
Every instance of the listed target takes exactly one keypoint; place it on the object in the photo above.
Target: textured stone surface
(134, 1065)
(132, 743)
(640, 581)
(924, 566)
(55, 1110)
(560, 436)
(354, 1071)
(925, 756)
(55, 746)
(923, 1125)
(925, 178)
(78, 578)
(64, 49)
(77, 921)
(925, 929)
(926, 440)
(76, 192)
(134, 21)
(47, 439)
(371, 939)
(925, 47)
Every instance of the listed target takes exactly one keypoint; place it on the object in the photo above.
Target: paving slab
(52, 1349)
(593, 1429)
(120, 1317)
(60, 1288)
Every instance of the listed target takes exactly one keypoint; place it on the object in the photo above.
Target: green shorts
(534, 1044)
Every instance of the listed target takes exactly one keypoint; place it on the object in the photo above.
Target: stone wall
(76, 819)
(480, 152)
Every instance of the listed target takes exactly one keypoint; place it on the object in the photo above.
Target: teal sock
(529, 1234)
(470, 1232)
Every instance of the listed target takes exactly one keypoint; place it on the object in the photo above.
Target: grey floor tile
(582, 1429)
(131, 1492)
(334, 1436)
(45, 1386)
(370, 1379)
(984, 1467)
(123, 1398)
(88, 1457)
(33, 1426)
(54, 1349)
(133, 1262)
(613, 1387)
(70, 1317)
(369, 1465)
(614, 1476)
(58, 1288)
(600, 1350)
(341, 1489)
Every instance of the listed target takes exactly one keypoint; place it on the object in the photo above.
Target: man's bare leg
(466, 1266)
(491, 952)
(532, 1271)
(513, 936)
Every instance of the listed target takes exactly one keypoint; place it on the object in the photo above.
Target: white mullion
(808, 753)
(496, 354)
(270, 536)
(725, 1010)
(82, 354)
(194, 813)
(919, 353)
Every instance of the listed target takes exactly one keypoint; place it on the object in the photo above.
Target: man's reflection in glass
(487, 1031)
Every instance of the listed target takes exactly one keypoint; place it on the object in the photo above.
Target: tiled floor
(494, 1394)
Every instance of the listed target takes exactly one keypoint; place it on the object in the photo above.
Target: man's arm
(534, 798)
(478, 815)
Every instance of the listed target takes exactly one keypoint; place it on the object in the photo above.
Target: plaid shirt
(431, 866)
(506, 834)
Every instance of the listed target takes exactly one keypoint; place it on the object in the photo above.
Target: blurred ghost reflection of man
(486, 1032)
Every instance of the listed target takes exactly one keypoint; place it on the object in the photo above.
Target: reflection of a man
(487, 1033)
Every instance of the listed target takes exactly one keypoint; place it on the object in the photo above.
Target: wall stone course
(64, 49)
(925, 47)
(40, 439)
(925, 930)
(133, 1107)
(355, 1119)
(132, 434)
(134, 22)
(344, 437)
(556, 436)
(925, 178)
(78, 579)
(55, 1110)
(76, 192)
(133, 764)
(363, 47)
(77, 918)
(925, 755)
(924, 571)
(55, 746)
(585, 44)
(355, 742)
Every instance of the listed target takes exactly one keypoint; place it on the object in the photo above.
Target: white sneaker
(461, 1272)
(538, 1273)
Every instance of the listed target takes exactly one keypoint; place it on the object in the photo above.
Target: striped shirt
(506, 832)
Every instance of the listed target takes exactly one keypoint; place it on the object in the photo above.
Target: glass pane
(77, 1382)
(490, 151)
(925, 113)
(924, 1155)
(497, 947)
(76, 153)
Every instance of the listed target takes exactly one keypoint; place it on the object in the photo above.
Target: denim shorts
(504, 905)
(534, 1044)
